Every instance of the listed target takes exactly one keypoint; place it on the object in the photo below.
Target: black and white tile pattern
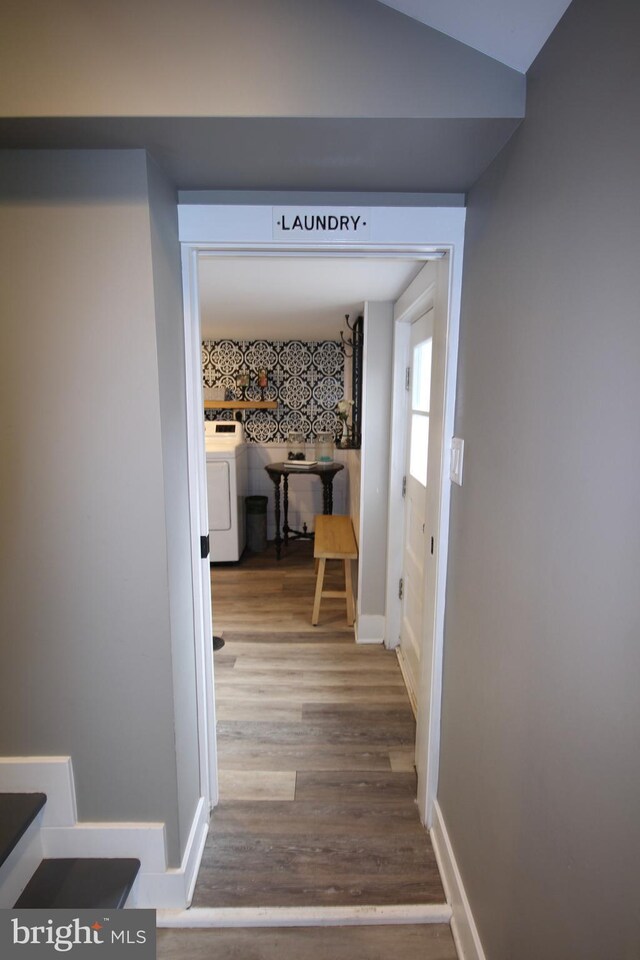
(305, 378)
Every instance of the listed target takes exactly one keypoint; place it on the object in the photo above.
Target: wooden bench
(334, 540)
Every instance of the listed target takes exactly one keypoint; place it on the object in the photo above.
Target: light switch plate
(457, 456)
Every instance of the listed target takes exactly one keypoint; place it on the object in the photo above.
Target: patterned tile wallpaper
(305, 378)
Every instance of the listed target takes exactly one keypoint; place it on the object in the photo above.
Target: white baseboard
(195, 847)
(172, 889)
(304, 916)
(50, 775)
(463, 927)
(61, 835)
(370, 628)
(145, 841)
(406, 676)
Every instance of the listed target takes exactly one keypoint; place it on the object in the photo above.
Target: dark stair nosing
(80, 883)
(17, 813)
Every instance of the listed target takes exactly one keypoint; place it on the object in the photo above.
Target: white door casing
(238, 230)
(436, 287)
(199, 522)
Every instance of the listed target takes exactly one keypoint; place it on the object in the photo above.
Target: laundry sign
(321, 223)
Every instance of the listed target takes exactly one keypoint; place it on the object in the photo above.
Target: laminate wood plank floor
(248, 604)
(315, 743)
(411, 942)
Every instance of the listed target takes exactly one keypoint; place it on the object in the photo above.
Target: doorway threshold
(305, 916)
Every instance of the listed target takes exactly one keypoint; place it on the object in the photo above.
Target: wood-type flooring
(315, 745)
(411, 942)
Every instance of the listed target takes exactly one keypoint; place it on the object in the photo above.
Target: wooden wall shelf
(240, 404)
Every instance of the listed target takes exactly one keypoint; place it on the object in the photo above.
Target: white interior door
(436, 541)
(415, 520)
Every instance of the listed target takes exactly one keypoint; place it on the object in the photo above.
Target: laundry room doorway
(222, 246)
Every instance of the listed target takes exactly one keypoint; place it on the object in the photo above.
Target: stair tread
(78, 883)
(17, 813)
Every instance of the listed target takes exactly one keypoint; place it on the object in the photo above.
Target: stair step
(17, 813)
(79, 883)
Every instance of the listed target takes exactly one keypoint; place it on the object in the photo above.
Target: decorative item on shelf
(324, 447)
(295, 445)
(214, 393)
(263, 381)
(343, 408)
(243, 381)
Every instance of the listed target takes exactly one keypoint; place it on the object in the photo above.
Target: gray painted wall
(167, 286)
(300, 58)
(85, 580)
(342, 95)
(540, 770)
(374, 490)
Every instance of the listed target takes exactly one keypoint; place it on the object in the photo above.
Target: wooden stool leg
(348, 586)
(319, 584)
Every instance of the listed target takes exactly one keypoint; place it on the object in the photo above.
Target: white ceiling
(293, 298)
(512, 31)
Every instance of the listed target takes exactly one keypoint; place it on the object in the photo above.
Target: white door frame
(238, 230)
(199, 526)
(438, 288)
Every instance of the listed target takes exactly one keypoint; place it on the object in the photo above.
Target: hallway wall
(374, 490)
(167, 288)
(341, 58)
(540, 771)
(85, 584)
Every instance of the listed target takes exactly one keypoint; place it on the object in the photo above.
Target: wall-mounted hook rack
(352, 346)
(349, 343)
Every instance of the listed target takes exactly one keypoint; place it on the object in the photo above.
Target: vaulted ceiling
(512, 31)
(342, 95)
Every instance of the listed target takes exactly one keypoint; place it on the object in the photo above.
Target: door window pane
(418, 458)
(422, 375)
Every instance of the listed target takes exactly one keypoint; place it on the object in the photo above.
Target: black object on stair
(80, 883)
(17, 813)
(218, 643)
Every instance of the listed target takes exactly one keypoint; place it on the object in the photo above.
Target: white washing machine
(227, 477)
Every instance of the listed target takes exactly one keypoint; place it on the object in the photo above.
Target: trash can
(256, 508)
